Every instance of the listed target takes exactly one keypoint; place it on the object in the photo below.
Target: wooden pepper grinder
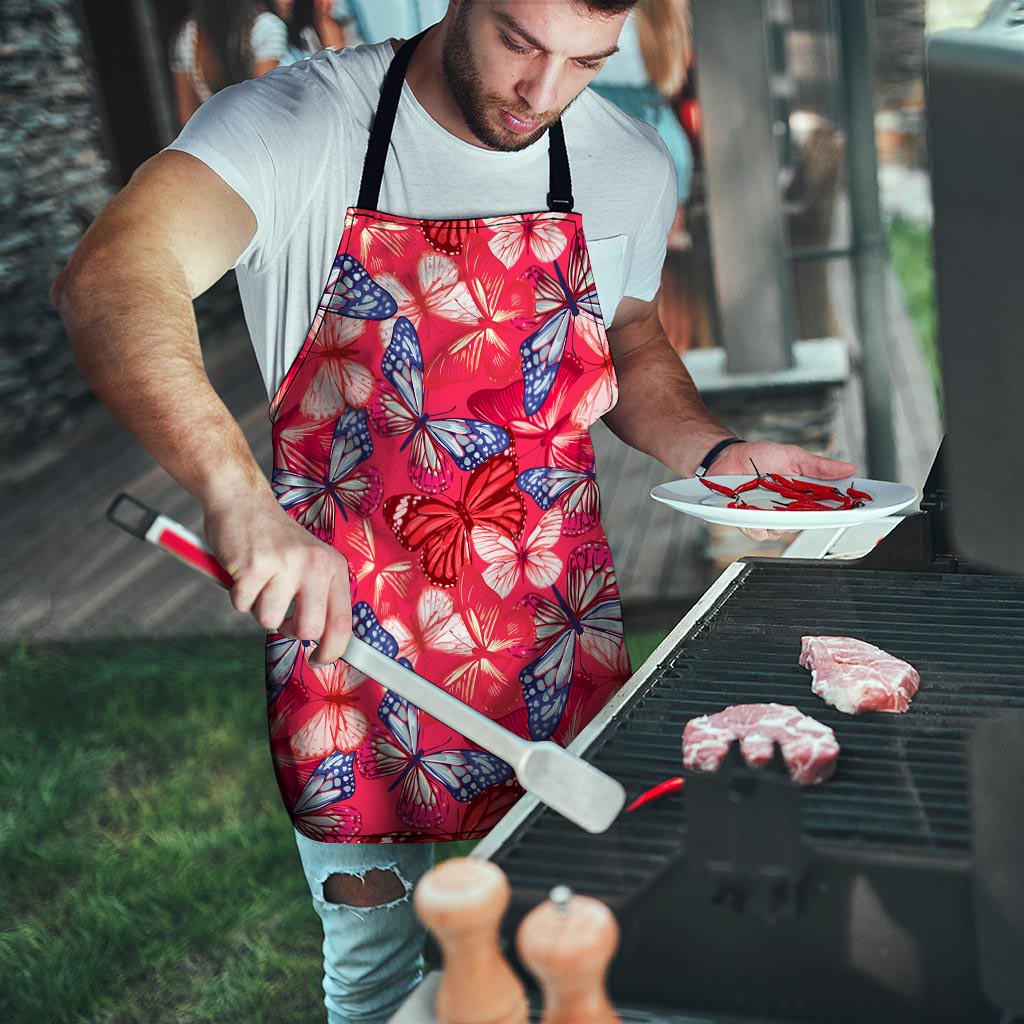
(567, 943)
(462, 901)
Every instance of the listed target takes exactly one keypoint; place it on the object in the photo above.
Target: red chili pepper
(749, 485)
(787, 492)
(808, 487)
(656, 792)
(807, 505)
(720, 488)
(863, 495)
(793, 485)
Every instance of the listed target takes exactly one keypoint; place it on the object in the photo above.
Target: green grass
(151, 871)
(147, 868)
(910, 246)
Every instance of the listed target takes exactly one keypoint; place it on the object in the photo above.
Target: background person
(314, 24)
(224, 42)
(648, 73)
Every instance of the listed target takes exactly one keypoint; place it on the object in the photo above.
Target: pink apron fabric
(434, 429)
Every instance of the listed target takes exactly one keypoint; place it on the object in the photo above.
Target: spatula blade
(570, 786)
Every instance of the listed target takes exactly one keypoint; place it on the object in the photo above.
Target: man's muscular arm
(660, 411)
(126, 301)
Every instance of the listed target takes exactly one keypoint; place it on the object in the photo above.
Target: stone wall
(54, 178)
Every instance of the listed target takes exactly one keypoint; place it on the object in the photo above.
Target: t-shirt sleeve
(649, 250)
(269, 38)
(268, 139)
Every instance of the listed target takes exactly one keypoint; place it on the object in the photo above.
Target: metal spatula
(567, 784)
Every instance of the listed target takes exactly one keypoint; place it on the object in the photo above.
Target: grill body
(847, 901)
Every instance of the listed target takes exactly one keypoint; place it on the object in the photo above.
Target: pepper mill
(567, 943)
(462, 901)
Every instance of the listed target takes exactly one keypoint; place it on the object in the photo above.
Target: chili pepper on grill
(656, 793)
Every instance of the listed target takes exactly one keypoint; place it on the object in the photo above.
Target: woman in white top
(221, 43)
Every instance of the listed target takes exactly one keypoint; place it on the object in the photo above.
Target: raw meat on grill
(855, 677)
(809, 748)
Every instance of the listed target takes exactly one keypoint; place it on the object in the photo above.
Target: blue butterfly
(435, 442)
(311, 492)
(426, 778)
(282, 654)
(586, 621)
(367, 627)
(566, 300)
(352, 292)
(333, 780)
(573, 485)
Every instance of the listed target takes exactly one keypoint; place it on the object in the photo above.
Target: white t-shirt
(292, 144)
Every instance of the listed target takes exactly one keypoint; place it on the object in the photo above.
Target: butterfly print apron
(434, 429)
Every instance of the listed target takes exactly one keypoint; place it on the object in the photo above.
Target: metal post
(748, 237)
(868, 239)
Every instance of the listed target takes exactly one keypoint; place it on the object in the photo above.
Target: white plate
(693, 498)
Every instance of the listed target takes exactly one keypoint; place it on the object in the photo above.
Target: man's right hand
(275, 562)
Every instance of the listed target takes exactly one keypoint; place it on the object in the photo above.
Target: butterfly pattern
(568, 297)
(352, 292)
(571, 482)
(443, 450)
(425, 777)
(312, 493)
(442, 530)
(435, 441)
(577, 630)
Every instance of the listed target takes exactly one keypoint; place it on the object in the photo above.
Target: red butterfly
(446, 236)
(442, 530)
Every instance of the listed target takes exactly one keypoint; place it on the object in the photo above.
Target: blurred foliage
(910, 247)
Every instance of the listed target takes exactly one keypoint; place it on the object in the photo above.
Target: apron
(434, 429)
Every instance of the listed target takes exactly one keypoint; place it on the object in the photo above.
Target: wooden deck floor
(73, 575)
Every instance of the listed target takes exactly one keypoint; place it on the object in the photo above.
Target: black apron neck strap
(560, 194)
(383, 123)
(559, 197)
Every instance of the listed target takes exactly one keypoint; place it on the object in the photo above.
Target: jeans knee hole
(376, 888)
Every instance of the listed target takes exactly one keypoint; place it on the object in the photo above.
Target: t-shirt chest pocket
(607, 259)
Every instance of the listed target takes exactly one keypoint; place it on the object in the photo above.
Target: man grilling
(433, 376)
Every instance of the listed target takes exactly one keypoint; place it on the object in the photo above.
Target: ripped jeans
(373, 943)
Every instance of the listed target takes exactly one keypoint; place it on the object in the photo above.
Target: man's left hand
(771, 457)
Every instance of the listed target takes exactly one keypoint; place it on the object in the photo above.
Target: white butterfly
(510, 561)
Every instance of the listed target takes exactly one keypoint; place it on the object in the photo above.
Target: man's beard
(465, 85)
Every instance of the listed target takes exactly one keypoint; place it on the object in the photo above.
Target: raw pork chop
(809, 748)
(855, 677)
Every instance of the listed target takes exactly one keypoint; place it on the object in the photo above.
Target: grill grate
(902, 779)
